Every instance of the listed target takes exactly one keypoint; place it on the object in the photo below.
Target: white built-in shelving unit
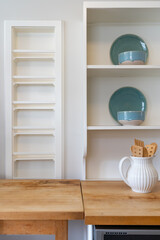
(34, 99)
(105, 141)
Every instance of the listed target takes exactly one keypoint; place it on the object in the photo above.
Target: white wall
(71, 12)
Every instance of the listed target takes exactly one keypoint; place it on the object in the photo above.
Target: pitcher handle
(122, 170)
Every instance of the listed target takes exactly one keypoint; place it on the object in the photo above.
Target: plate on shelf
(124, 43)
(127, 99)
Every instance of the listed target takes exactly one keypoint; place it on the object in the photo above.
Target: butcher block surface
(40, 200)
(114, 203)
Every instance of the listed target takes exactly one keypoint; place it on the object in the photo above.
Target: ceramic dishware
(130, 118)
(127, 99)
(125, 43)
(141, 175)
(132, 58)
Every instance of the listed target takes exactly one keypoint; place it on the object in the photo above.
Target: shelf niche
(106, 148)
(106, 142)
(108, 21)
(34, 106)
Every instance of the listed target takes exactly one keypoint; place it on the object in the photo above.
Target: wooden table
(114, 203)
(39, 206)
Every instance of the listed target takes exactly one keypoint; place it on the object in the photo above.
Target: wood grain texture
(114, 203)
(36, 227)
(27, 227)
(61, 230)
(40, 200)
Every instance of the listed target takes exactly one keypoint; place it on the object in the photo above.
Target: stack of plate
(129, 49)
(127, 105)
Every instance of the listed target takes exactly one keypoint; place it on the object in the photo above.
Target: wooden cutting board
(114, 203)
(40, 200)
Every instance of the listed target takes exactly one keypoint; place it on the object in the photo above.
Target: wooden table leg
(61, 232)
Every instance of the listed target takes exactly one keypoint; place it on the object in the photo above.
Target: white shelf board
(33, 154)
(33, 77)
(39, 26)
(123, 71)
(32, 51)
(33, 133)
(33, 58)
(123, 4)
(33, 83)
(32, 103)
(123, 12)
(94, 128)
(35, 159)
(125, 67)
(33, 108)
(32, 128)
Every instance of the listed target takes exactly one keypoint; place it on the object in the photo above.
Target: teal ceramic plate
(126, 99)
(124, 43)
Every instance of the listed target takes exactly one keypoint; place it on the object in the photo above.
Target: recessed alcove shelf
(105, 141)
(34, 101)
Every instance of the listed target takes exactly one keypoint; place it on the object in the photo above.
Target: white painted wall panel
(71, 12)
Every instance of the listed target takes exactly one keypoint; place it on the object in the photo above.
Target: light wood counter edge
(42, 215)
(119, 220)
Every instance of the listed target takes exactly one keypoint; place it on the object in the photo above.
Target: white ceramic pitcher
(141, 176)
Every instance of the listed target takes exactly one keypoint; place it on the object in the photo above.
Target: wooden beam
(39, 227)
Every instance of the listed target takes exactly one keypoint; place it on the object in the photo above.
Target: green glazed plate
(126, 99)
(124, 43)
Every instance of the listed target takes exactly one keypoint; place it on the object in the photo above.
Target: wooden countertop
(114, 203)
(105, 203)
(40, 200)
